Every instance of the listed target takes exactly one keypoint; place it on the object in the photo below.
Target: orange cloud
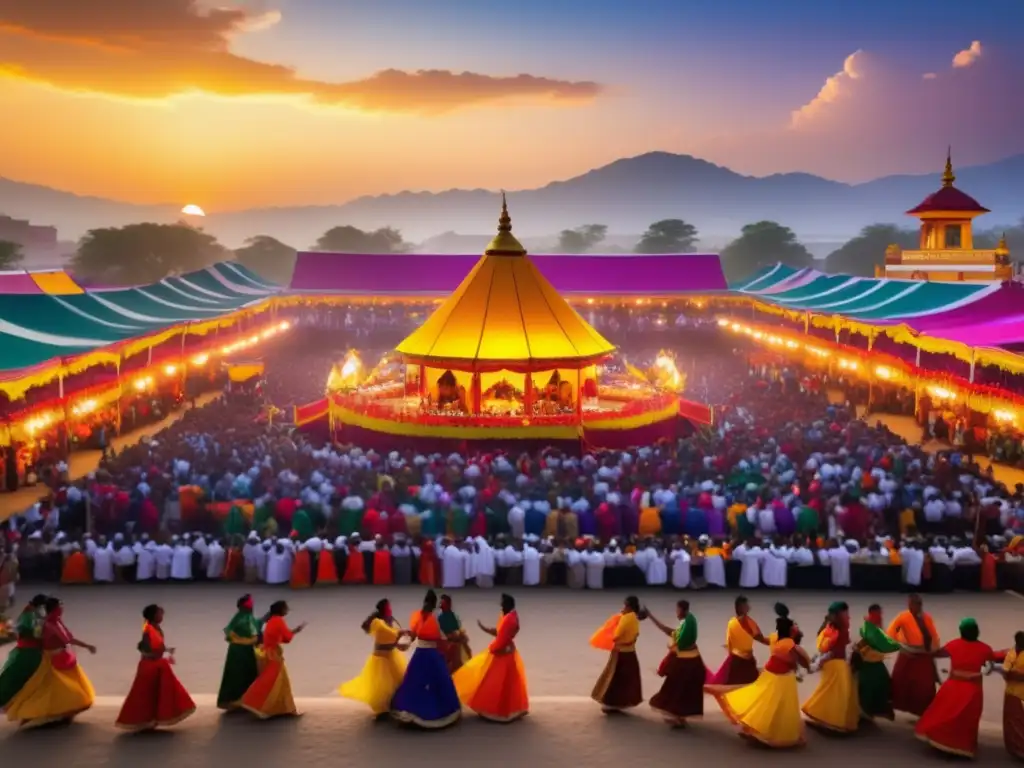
(154, 49)
(968, 56)
(834, 90)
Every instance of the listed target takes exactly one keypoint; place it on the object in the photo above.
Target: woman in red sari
(950, 724)
(157, 699)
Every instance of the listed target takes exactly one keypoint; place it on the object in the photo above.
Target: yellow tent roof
(505, 310)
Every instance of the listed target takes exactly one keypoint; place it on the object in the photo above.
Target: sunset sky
(233, 104)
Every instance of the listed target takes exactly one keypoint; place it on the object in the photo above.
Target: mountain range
(626, 195)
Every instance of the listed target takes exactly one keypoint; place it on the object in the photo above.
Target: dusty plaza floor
(565, 727)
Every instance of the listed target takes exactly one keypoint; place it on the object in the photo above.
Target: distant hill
(626, 195)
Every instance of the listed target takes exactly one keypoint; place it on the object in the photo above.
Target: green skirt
(21, 664)
(240, 670)
(875, 689)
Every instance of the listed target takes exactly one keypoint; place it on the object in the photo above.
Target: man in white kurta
(164, 556)
(656, 570)
(576, 575)
(124, 561)
(279, 564)
(145, 562)
(774, 563)
(216, 557)
(750, 556)
(181, 563)
(250, 555)
(714, 569)
(531, 566)
(485, 565)
(263, 560)
(839, 562)
(680, 560)
(912, 559)
(103, 563)
(594, 561)
(453, 567)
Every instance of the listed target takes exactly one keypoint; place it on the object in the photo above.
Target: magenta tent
(410, 275)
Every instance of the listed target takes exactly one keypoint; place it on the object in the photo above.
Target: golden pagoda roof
(505, 310)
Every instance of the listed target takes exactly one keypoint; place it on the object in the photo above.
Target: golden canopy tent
(502, 324)
(242, 372)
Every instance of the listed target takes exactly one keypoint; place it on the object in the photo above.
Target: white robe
(124, 557)
(164, 556)
(774, 563)
(913, 565)
(595, 569)
(531, 566)
(469, 564)
(484, 564)
(279, 567)
(714, 570)
(103, 565)
(181, 564)
(146, 564)
(839, 561)
(453, 568)
(680, 568)
(215, 560)
(262, 557)
(656, 571)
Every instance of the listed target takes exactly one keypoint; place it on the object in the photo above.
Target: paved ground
(84, 462)
(564, 726)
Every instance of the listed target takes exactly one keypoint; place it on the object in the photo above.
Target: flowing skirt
(682, 693)
(619, 686)
(874, 688)
(21, 664)
(834, 704)
(51, 695)
(240, 672)
(913, 683)
(767, 710)
(1013, 726)
(157, 698)
(494, 686)
(951, 723)
(377, 683)
(735, 671)
(270, 695)
(427, 697)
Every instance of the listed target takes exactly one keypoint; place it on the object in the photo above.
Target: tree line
(142, 253)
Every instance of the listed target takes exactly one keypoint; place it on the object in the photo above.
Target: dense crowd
(788, 489)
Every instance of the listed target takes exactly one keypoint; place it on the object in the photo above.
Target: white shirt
(839, 560)
(103, 565)
(531, 566)
(913, 565)
(181, 563)
(680, 568)
(966, 556)
(656, 570)
(164, 555)
(216, 558)
(146, 567)
(750, 572)
(595, 569)
(453, 567)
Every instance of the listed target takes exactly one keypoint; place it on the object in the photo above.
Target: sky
(234, 104)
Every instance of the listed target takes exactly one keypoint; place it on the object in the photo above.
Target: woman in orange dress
(76, 567)
(950, 724)
(493, 683)
(913, 675)
(270, 695)
(619, 687)
(157, 699)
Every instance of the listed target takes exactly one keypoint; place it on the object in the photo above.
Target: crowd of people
(42, 681)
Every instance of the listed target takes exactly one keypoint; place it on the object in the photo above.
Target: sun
(193, 210)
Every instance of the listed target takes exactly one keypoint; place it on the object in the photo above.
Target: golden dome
(504, 243)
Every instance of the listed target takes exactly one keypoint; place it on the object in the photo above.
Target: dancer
(950, 724)
(427, 697)
(682, 694)
(240, 666)
(619, 686)
(24, 660)
(1013, 698)
(874, 687)
(740, 666)
(270, 695)
(834, 705)
(913, 675)
(456, 649)
(384, 670)
(59, 689)
(157, 698)
(493, 683)
(768, 710)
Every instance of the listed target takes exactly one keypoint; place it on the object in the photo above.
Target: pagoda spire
(504, 243)
(947, 175)
(504, 220)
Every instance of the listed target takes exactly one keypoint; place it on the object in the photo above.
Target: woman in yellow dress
(768, 710)
(59, 689)
(835, 703)
(385, 669)
(619, 686)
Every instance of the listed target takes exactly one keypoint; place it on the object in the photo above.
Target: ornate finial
(947, 176)
(504, 243)
(1001, 247)
(504, 221)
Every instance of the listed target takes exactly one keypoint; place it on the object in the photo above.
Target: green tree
(346, 239)
(581, 239)
(668, 236)
(760, 245)
(144, 253)
(863, 253)
(268, 257)
(10, 254)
